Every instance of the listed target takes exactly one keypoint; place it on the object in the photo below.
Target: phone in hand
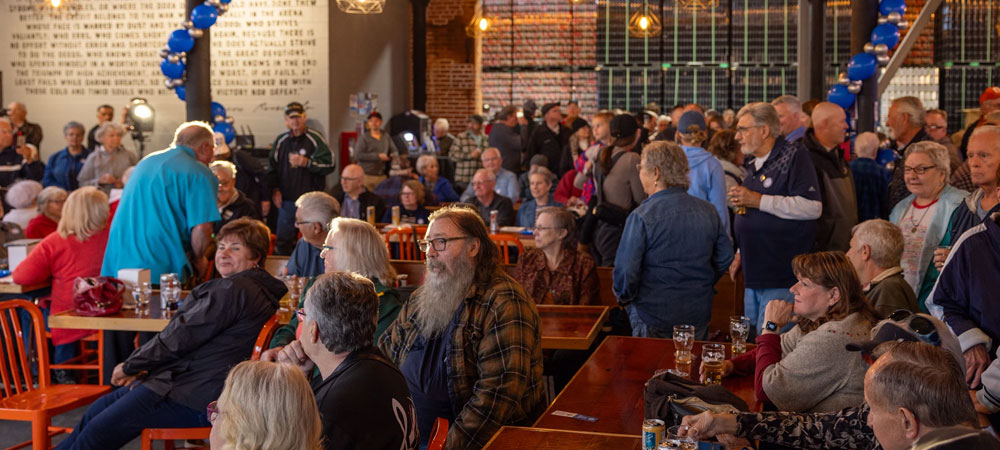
(21, 140)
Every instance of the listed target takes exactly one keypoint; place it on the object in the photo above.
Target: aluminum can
(652, 433)
(370, 213)
(395, 215)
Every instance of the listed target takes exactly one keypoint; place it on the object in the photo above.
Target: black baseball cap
(623, 127)
(294, 108)
(548, 107)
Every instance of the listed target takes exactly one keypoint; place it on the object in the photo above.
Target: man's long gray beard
(441, 293)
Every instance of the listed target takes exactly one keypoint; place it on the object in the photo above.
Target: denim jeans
(641, 329)
(121, 415)
(286, 228)
(754, 302)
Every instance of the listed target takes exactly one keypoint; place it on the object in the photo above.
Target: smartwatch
(771, 326)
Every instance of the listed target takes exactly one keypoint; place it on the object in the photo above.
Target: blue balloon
(887, 34)
(226, 129)
(218, 110)
(225, 2)
(890, 6)
(840, 96)
(172, 70)
(181, 93)
(180, 41)
(203, 16)
(862, 67)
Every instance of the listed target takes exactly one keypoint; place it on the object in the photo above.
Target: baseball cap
(294, 108)
(623, 126)
(650, 114)
(991, 93)
(904, 325)
(529, 105)
(548, 107)
(476, 118)
(691, 119)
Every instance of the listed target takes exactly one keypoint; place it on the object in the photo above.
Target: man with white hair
(32, 132)
(17, 161)
(313, 215)
(233, 204)
(840, 208)
(487, 200)
(780, 202)
(475, 318)
(984, 162)
(442, 139)
(871, 180)
(906, 121)
(876, 250)
(506, 181)
(790, 114)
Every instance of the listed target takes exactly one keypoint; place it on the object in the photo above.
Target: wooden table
(11, 288)
(611, 383)
(519, 438)
(571, 327)
(124, 320)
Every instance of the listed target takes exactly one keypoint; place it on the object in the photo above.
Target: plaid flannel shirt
(494, 360)
(465, 165)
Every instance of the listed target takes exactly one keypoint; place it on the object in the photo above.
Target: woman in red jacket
(76, 249)
(50, 205)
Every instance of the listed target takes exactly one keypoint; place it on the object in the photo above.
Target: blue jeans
(641, 329)
(121, 415)
(754, 302)
(286, 228)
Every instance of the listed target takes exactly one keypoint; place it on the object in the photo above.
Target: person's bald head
(829, 124)
(352, 180)
(492, 160)
(17, 112)
(197, 136)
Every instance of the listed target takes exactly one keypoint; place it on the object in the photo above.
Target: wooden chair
(504, 242)
(20, 399)
(439, 432)
(405, 240)
(88, 359)
(168, 435)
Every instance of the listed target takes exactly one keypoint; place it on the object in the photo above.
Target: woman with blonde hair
(265, 406)
(76, 249)
(353, 246)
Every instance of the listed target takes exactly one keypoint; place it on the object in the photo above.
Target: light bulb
(483, 24)
(56, 3)
(143, 111)
(643, 23)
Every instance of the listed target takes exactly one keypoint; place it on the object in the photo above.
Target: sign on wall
(64, 62)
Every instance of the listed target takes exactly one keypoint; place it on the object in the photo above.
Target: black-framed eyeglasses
(919, 170)
(741, 130)
(921, 326)
(439, 244)
(322, 253)
(299, 223)
(212, 411)
(301, 313)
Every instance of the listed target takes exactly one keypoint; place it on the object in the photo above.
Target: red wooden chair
(438, 434)
(504, 242)
(20, 399)
(405, 240)
(88, 359)
(168, 435)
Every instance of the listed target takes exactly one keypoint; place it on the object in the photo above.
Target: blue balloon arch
(862, 66)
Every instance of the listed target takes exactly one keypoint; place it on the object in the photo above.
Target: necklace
(926, 209)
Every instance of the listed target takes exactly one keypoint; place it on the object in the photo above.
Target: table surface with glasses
(611, 384)
(520, 438)
(125, 320)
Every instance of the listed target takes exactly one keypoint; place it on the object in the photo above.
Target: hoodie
(708, 180)
(966, 216)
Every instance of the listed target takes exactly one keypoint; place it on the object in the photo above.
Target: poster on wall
(64, 62)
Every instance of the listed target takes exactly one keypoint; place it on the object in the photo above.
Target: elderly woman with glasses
(923, 216)
(258, 395)
(554, 272)
(430, 176)
(351, 246)
(170, 380)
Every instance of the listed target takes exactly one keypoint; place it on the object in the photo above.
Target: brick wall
(451, 71)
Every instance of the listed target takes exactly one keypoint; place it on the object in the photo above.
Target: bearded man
(473, 317)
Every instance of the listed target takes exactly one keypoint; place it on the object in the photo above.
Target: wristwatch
(771, 326)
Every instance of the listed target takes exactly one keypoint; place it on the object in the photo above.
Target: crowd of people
(836, 246)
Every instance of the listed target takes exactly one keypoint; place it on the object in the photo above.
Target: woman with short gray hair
(923, 216)
(65, 165)
(105, 166)
(22, 196)
(673, 250)
(50, 205)
(430, 176)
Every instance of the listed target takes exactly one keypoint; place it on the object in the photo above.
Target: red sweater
(40, 227)
(61, 260)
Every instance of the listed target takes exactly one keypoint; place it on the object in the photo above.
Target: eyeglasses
(299, 223)
(919, 170)
(741, 130)
(439, 244)
(548, 228)
(935, 127)
(301, 313)
(350, 178)
(322, 253)
(212, 411)
(921, 326)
